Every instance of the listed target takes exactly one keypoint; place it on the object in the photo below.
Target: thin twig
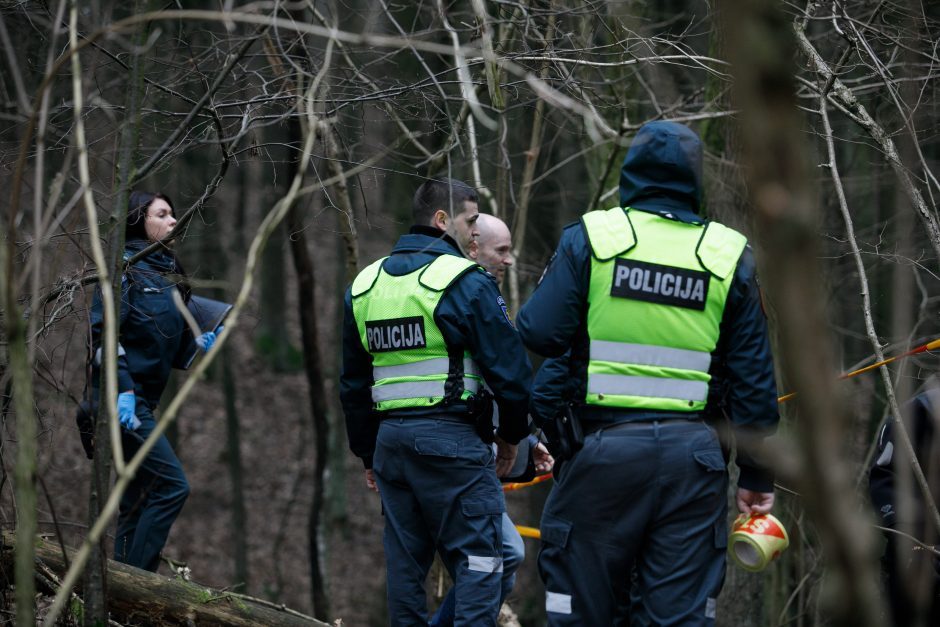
(18, 85)
(927, 547)
(848, 99)
(907, 116)
(230, 63)
(360, 76)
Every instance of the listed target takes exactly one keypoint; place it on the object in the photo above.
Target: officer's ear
(440, 220)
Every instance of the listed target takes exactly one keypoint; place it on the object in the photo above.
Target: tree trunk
(25, 471)
(338, 445)
(340, 194)
(140, 597)
(234, 456)
(96, 606)
(761, 46)
(272, 325)
(272, 340)
(306, 287)
(217, 259)
(94, 577)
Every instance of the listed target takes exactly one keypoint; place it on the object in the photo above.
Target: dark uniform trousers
(439, 490)
(153, 499)
(653, 494)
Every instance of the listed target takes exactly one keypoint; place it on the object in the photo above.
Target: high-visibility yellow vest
(411, 363)
(657, 294)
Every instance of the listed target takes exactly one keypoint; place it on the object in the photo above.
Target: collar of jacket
(427, 239)
(668, 208)
(160, 259)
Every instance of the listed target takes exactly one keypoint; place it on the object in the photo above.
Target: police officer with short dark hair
(661, 312)
(426, 337)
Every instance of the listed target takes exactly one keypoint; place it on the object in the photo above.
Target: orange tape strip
(929, 346)
(509, 487)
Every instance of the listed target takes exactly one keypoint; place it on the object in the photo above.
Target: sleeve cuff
(538, 421)
(756, 479)
(512, 436)
(125, 382)
(367, 462)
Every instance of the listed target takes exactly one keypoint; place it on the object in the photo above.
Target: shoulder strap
(719, 249)
(443, 271)
(366, 279)
(609, 232)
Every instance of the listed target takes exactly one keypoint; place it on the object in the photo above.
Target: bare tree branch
(845, 96)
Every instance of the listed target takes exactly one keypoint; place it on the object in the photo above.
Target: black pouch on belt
(573, 425)
(565, 437)
(85, 420)
(480, 410)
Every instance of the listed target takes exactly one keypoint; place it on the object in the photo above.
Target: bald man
(492, 248)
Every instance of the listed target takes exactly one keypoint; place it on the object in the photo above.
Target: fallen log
(140, 597)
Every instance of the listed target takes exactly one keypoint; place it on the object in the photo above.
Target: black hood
(663, 169)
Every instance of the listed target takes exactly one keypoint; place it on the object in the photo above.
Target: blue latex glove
(127, 405)
(205, 341)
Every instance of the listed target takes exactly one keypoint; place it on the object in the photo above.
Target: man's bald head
(492, 248)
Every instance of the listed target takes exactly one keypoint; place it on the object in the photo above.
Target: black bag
(85, 419)
(564, 434)
(480, 411)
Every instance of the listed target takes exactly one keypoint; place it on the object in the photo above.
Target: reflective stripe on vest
(412, 364)
(655, 302)
(648, 387)
(426, 367)
(418, 389)
(646, 355)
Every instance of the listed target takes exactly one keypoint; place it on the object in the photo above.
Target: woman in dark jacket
(152, 333)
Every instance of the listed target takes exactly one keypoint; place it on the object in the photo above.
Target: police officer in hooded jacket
(425, 338)
(911, 574)
(661, 311)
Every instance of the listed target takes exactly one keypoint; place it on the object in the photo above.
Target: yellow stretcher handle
(529, 532)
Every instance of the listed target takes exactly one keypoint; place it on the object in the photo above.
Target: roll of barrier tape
(756, 540)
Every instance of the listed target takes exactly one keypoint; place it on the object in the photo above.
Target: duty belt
(594, 426)
(448, 414)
